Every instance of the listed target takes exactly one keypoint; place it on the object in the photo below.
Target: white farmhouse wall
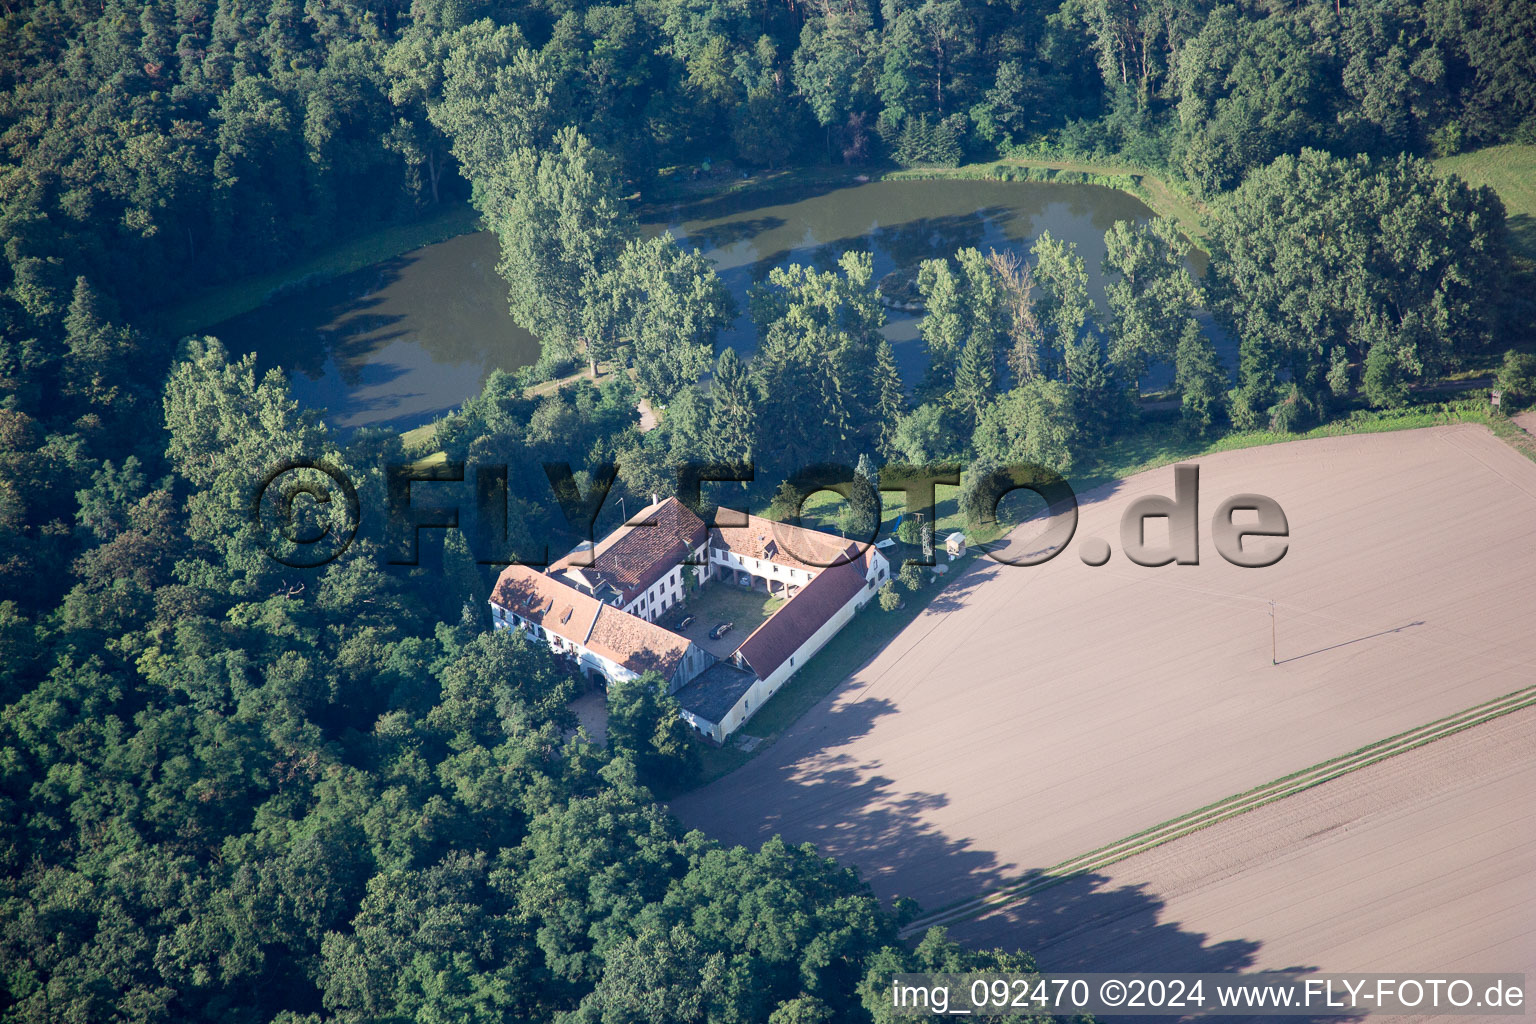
(668, 590)
(659, 596)
(611, 670)
(758, 693)
(762, 567)
(711, 729)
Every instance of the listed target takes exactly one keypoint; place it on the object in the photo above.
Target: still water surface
(399, 343)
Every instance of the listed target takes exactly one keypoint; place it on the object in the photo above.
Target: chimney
(654, 499)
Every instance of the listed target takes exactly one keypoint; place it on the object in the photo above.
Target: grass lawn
(1511, 172)
(823, 511)
(722, 601)
(1514, 435)
(1162, 441)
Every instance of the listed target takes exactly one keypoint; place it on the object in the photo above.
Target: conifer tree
(973, 390)
(734, 401)
(891, 399)
(1200, 379)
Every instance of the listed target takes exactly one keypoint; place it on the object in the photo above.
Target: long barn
(599, 608)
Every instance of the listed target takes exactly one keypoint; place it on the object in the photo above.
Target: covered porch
(748, 581)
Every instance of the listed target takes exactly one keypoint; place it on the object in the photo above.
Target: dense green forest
(238, 791)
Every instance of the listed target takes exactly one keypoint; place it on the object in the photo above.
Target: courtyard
(719, 602)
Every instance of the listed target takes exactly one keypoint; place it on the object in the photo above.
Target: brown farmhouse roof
(635, 555)
(641, 551)
(566, 612)
(752, 536)
(787, 630)
(638, 645)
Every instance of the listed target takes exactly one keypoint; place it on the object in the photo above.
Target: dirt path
(648, 418)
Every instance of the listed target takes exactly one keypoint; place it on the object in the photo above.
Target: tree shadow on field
(958, 591)
(1087, 924)
(806, 789)
(818, 784)
(849, 810)
(1522, 234)
(1026, 544)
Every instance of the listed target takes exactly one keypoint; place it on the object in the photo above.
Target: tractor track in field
(1222, 810)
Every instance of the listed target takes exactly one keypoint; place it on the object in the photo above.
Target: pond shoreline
(222, 302)
(218, 303)
(676, 201)
(400, 343)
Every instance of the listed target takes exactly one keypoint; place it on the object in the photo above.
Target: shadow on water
(394, 344)
(713, 207)
(306, 328)
(910, 243)
(721, 235)
(896, 230)
(893, 245)
(436, 319)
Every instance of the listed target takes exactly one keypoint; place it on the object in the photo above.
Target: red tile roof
(786, 630)
(563, 610)
(638, 645)
(600, 628)
(636, 555)
(654, 541)
(752, 536)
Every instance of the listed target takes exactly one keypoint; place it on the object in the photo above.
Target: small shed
(955, 545)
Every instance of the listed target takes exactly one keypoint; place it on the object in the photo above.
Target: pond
(401, 342)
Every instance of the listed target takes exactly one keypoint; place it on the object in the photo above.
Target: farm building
(600, 607)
